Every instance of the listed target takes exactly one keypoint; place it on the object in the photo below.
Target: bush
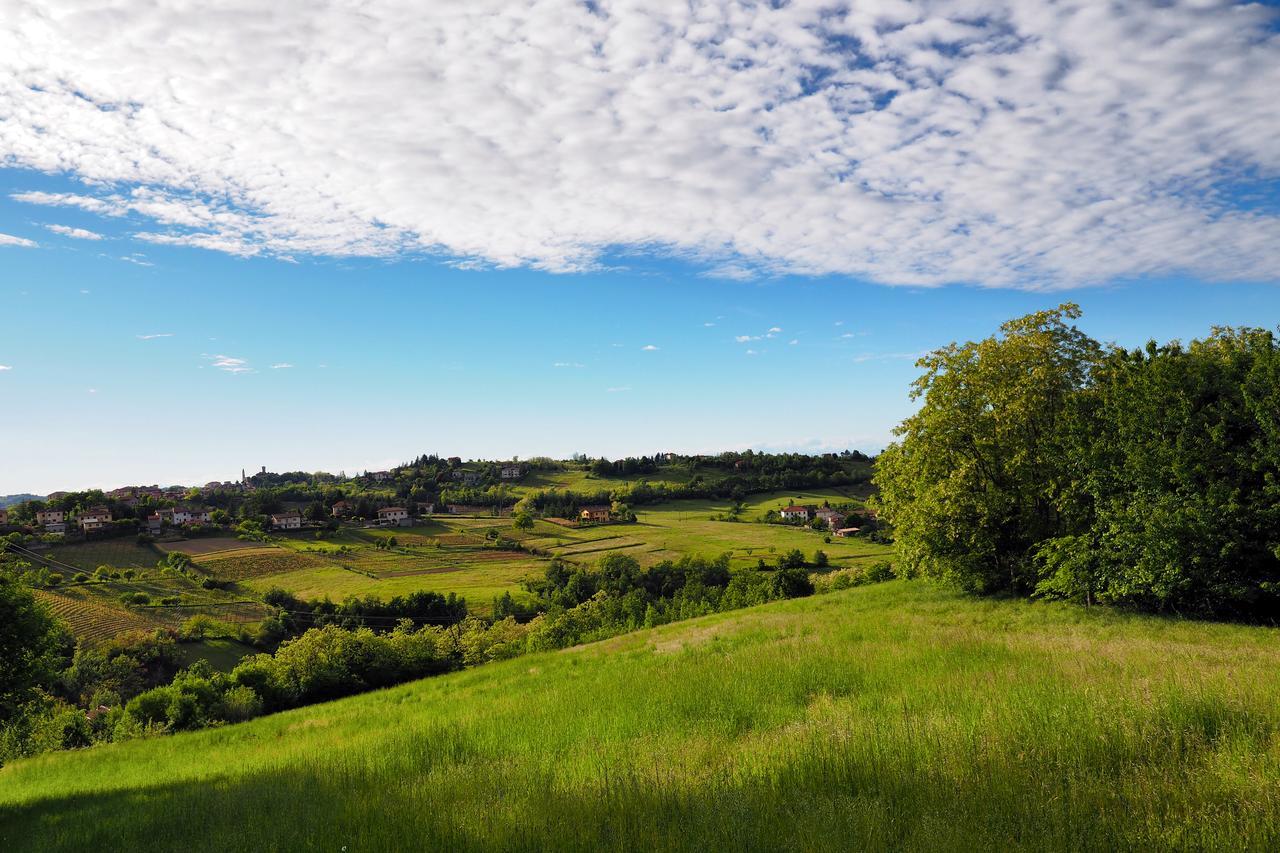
(136, 598)
(820, 560)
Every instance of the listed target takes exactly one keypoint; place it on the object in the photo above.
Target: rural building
(286, 521)
(191, 515)
(382, 476)
(154, 522)
(830, 517)
(46, 517)
(426, 508)
(847, 531)
(95, 518)
(512, 472)
(795, 513)
(393, 516)
(594, 514)
(342, 509)
(455, 460)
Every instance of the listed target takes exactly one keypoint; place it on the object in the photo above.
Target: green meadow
(897, 716)
(670, 530)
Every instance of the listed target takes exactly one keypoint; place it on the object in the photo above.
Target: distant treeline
(431, 480)
(1042, 462)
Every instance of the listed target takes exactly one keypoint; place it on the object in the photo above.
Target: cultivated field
(92, 618)
(116, 553)
(670, 530)
(893, 717)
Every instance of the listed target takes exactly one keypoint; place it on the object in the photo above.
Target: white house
(286, 521)
(393, 516)
(511, 472)
(795, 513)
(191, 515)
(844, 532)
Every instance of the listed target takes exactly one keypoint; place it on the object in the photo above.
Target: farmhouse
(191, 515)
(286, 521)
(844, 532)
(830, 517)
(511, 472)
(154, 522)
(393, 516)
(342, 509)
(47, 517)
(594, 514)
(95, 518)
(382, 476)
(426, 508)
(795, 513)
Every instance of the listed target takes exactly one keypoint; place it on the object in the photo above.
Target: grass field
(667, 531)
(117, 553)
(889, 717)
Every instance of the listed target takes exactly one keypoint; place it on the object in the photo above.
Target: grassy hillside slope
(897, 716)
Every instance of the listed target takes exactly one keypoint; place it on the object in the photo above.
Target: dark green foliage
(32, 647)
(1043, 463)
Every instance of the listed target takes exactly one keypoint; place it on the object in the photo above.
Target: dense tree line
(1042, 462)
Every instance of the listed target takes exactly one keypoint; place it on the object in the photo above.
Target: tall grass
(896, 716)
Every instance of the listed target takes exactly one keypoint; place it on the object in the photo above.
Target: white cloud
(847, 335)
(742, 339)
(752, 352)
(76, 233)
(230, 364)
(10, 240)
(573, 364)
(93, 390)
(708, 325)
(775, 330)
(156, 335)
(284, 365)
(992, 141)
(84, 292)
(649, 348)
(793, 342)
(4, 367)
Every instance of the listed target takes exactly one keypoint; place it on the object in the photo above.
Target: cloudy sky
(332, 234)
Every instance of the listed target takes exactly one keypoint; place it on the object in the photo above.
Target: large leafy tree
(980, 475)
(33, 646)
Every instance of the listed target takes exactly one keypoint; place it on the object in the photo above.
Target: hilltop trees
(1042, 462)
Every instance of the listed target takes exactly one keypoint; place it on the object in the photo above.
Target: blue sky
(544, 228)
(393, 358)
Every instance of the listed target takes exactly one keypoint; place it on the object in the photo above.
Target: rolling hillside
(896, 716)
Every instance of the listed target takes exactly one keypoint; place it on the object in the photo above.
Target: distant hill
(890, 717)
(10, 500)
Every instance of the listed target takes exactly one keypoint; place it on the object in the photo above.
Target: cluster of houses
(833, 519)
(55, 520)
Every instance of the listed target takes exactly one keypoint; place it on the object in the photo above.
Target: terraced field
(258, 561)
(92, 620)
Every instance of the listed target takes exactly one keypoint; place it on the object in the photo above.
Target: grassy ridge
(897, 716)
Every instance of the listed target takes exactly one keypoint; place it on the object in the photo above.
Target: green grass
(222, 653)
(890, 717)
(669, 530)
(118, 553)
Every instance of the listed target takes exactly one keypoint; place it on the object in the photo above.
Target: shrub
(137, 598)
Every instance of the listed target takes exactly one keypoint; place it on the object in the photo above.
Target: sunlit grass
(897, 716)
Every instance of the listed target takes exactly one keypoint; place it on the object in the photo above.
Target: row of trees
(1042, 462)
